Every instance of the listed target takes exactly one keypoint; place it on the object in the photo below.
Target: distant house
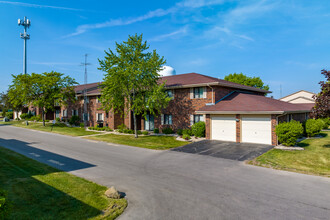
(300, 97)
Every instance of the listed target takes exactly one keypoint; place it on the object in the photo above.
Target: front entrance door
(149, 124)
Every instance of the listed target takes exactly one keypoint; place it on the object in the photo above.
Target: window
(87, 99)
(198, 92)
(167, 119)
(289, 117)
(74, 112)
(86, 116)
(198, 118)
(170, 93)
(98, 99)
(65, 113)
(99, 117)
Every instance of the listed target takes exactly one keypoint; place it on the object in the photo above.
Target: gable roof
(296, 93)
(245, 103)
(196, 79)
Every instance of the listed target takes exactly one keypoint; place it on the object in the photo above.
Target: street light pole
(26, 24)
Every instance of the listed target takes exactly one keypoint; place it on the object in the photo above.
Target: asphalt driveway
(224, 149)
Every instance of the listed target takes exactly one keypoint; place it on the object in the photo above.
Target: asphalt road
(176, 185)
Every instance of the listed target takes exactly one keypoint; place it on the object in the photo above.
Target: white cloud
(38, 6)
(181, 31)
(186, 4)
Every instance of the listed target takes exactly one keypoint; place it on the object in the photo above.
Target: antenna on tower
(85, 115)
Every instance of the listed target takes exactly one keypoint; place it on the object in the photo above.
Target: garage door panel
(256, 129)
(223, 128)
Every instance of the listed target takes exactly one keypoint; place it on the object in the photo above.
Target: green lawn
(72, 131)
(38, 191)
(315, 159)
(150, 142)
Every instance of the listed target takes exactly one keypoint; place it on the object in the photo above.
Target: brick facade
(273, 124)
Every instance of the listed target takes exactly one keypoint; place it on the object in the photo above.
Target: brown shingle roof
(244, 102)
(189, 79)
(186, 80)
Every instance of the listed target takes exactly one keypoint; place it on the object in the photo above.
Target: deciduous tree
(131, 79)
(322, 99)
(246, 80)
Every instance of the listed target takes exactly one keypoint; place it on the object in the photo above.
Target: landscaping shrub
(186, 137)
(59, 124)
(10, 115)
(26, 116)
(74, 120)
(122, 127)
(168, 130)
(156, 130)
(179, 132)
(289, 132)
(139, 132)
(58, 119)
(326, 122)
(321, 123)
(36, 118)
(82, 124)
(198, 129)
(46, 120)
(313, 127)
(4, 205)
(187, 132)
(145, 132)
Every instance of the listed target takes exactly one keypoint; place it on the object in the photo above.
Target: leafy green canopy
(41, 90)
(246, 80)
(131, 79)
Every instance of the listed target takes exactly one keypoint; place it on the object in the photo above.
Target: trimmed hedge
(179, 131)
(168, 130)
(74, 120)
(289, 132)
(313, 127)
(198, 129)
(10, 115)
(186, 137)
(187, 132)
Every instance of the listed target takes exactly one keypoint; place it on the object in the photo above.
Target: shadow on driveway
(227, 150)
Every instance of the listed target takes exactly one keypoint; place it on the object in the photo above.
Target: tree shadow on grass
(33, 199)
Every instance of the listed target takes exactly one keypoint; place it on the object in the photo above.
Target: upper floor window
(99, 116)
(198, 92)
(98, 99)
(170, 93)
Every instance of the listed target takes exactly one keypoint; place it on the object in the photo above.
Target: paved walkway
(175, 185)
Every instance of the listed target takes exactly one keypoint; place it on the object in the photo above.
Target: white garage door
(256, 129)
(223, 128)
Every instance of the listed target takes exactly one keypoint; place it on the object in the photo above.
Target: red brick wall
(238, 128)
(274, 123)
(207, 126)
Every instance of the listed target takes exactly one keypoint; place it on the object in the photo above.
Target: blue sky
(285, 42)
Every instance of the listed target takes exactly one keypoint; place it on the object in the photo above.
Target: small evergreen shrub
(82, 124)
(326, 122)
(289, 132)
(198, 129)
(186, 137)
(74, 120)
(313, 127)
(139, 132)
(156, 130)
(10, 115)
(145, 132)
(179, 132)
(322, 124)
(168, 130)
(187, 132)
(122, 127)
(58, 119)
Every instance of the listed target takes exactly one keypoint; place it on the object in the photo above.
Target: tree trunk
(135, 126)
(43, 117)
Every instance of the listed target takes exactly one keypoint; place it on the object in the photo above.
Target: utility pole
(85, 115)
(26, 24)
